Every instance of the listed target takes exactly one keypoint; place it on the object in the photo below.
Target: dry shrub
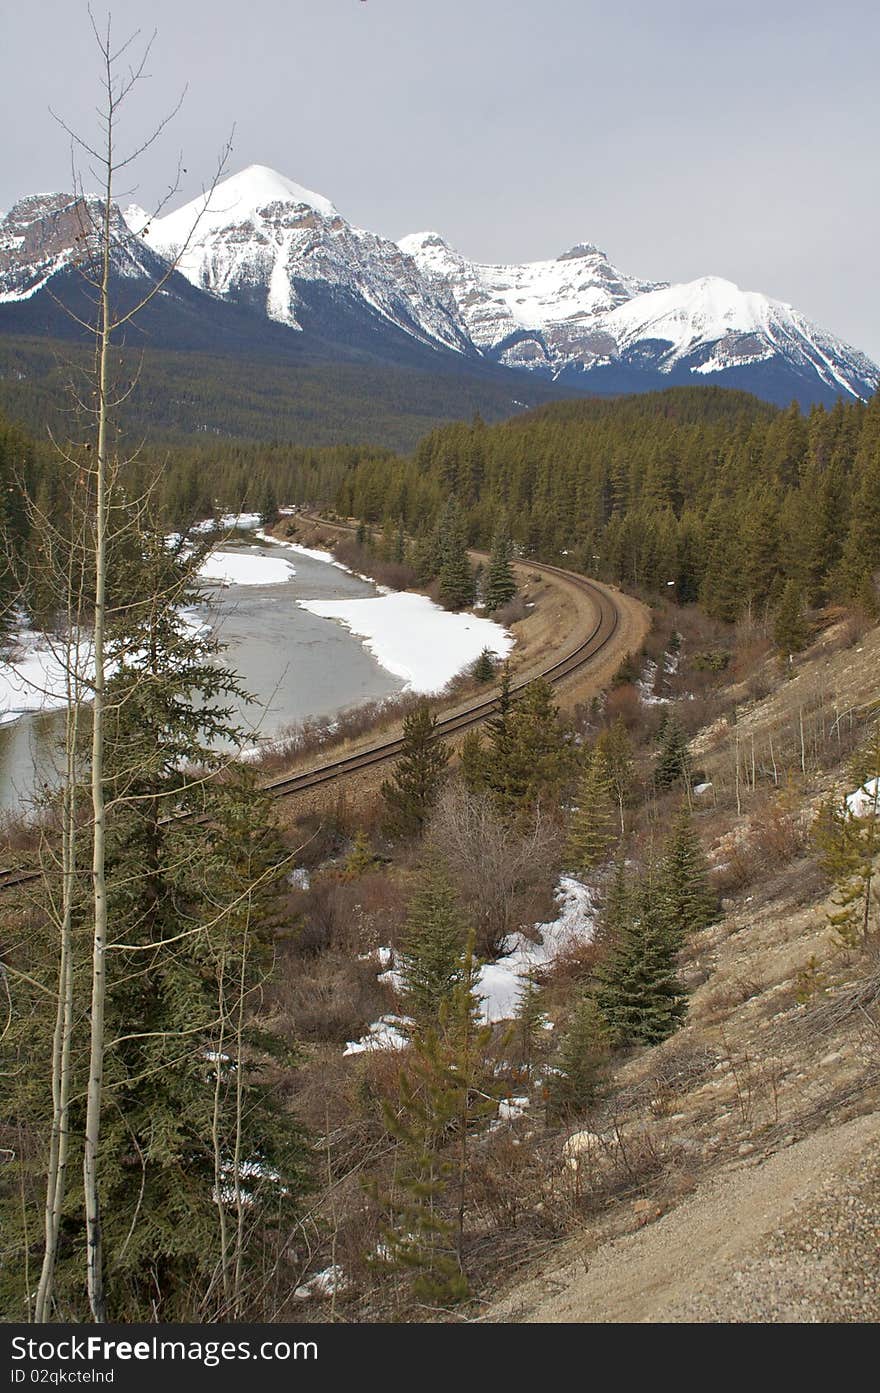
(394, 574)
(348, 916)
(509, 1178)
(775, 836)
(624, 703)
(504, 876)
(328, 998)
(778, 833)
(511, 613)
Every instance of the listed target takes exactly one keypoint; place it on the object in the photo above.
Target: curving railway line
(607, 621)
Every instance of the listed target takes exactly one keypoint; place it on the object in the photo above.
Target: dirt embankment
(751, 1187)
(794, 1238)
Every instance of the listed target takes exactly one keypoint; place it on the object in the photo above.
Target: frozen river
(298, 665)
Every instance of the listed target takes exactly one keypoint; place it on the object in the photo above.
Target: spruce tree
(615, 748)
(361, 858)
(848, 838)
(192, 1126)
(530, 757)
(790, 630)
(500, 582)
(472, 762)
(446, 1089)
(456, 578)
(434, 940)
(592, 828)
(639, 994)
(484, 668)
(583, 1050)
(673, 761)
(412, 791)
(531, 1019)
(689, 902)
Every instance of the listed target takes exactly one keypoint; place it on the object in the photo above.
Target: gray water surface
(297, 665)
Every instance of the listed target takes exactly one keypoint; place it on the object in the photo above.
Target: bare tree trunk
(94, 1261)
(872, 840)
(56, 1179)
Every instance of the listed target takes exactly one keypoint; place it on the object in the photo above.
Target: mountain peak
(257, 185)
(240, 198)
(581, 249)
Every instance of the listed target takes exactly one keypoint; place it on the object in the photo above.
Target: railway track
(598, 639)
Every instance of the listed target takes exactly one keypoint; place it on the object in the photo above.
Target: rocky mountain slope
(580, 318)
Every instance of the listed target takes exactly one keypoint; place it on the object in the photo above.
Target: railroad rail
(596, 641)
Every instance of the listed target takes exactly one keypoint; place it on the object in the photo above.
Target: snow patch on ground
(864, 801)
(499, 984)
(384, 1034)
(239, 568)
(415, 639)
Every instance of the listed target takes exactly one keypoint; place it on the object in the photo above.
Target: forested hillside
(709, 491)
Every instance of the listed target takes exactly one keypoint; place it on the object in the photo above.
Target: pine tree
(688, 900)
(583, 1050)
(639, 994)
(531, 1019)
(484, 668)
(361, 858)
(530, 757)
(790, 630)
(500, 582)
(848, 838)
(433, 942)
(592, 830)
(268, 504)
(412, 791)
(673, 760)
(445, 1089)
(456, 578)
(472, 762)
(192, 1125)
(615, 748)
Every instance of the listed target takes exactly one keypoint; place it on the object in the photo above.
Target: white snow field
(36, 677)
(415, 639)
(238, 568)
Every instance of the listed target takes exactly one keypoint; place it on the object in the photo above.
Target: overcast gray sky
(683, 137)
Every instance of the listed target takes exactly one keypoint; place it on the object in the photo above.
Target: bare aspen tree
(119, 76)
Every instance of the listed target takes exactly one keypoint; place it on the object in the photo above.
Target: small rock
(745, 1148)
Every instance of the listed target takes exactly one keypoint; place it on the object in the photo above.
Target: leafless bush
(360, 559)
(510, 1177)
(503, 875)
(328, 998)
(512, 612)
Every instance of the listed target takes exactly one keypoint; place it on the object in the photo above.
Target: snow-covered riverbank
(407, 634)
(414, 638)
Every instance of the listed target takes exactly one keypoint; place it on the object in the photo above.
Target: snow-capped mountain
(49, 233)
(580, 315)
(265, 241)
(542, 314)
(266, 265)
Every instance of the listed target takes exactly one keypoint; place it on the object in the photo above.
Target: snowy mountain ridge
(579, 312)
(280, 252)
(261, 239)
